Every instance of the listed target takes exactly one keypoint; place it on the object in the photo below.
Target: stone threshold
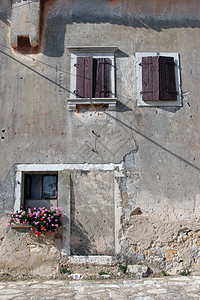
(90, 259)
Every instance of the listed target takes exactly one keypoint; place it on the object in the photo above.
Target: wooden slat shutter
(167, 78)
(150, 78)
(84, 71)
(101, 78)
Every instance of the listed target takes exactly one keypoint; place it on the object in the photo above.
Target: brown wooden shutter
(101, 78)
(158, 78)
(150, 78)
(84, 71)
(167, 78)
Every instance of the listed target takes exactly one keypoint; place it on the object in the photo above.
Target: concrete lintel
(61, 167)
(111, 49)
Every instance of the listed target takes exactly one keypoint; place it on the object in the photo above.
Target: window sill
(56, 235)
(16, 226)
(111, 102)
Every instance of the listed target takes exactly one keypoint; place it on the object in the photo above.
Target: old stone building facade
(101, 98)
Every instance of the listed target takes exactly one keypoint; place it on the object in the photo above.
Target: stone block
(75, 276)
(137, 271)
(186, 256)
(169, 253)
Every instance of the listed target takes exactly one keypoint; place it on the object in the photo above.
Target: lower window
(40, 189)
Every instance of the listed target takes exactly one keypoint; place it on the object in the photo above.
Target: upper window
(158, 79)
(92, 76)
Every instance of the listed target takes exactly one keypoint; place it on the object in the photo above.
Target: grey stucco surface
(38, 127)
(159, 147)
(92, 213)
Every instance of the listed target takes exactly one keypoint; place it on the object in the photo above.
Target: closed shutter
(84, 71)
(150, 78)
(101, 78)
(158, 78)
(167, 78)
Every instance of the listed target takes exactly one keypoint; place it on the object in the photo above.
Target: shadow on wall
(80, 243)
(139, 15)
(5, 11)
(149, 14)
(154, 15)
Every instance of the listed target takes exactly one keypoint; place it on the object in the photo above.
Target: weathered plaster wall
(24, 255)
(25, 22)
(158, 146)
(92, 207)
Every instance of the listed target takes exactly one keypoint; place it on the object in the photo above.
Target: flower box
(40, 220)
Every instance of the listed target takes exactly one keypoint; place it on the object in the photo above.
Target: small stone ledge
(111, 102)
(17, 226)
(99, 260)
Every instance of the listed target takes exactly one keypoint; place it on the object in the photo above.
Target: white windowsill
(88, 101)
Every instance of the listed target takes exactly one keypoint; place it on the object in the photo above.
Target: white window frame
(95, 52)
(46, 168)
(140, 102)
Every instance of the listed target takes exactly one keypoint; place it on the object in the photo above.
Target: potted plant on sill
(39, 220)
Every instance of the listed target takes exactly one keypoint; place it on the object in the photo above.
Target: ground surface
(145, 289)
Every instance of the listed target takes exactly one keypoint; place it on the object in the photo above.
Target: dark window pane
(36, 186)
(27, 190)
(167, 78)
(50, 186)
